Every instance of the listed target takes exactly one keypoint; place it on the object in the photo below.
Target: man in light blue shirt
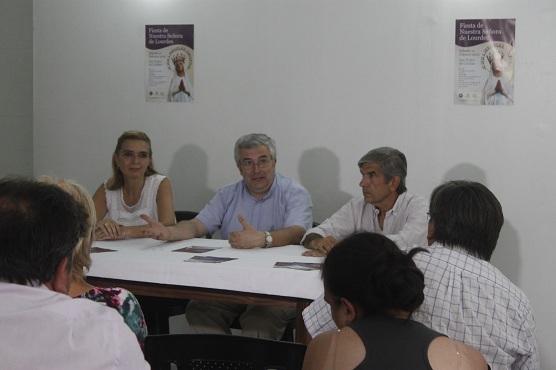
(263, 210)
(285, 206)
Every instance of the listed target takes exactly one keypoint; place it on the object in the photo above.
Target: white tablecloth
(154, 261)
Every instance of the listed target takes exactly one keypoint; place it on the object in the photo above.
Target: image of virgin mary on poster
(499, 85)
(180, 88)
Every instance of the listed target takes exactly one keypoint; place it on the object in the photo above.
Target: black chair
(158, 310)
(188, 215)
(222, 352)
(185, 215)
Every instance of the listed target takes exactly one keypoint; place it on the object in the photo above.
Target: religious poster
(484, 61)
(169, 63)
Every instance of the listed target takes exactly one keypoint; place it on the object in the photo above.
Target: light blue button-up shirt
(286, 204)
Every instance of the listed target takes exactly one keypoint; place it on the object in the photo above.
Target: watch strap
(267, 239)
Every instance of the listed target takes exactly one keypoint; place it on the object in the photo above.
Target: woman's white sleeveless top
(129, 215)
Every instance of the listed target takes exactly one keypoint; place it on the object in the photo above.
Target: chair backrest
(222, 352)
(185, 215)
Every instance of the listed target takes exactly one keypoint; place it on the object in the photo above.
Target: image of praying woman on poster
(180, 88)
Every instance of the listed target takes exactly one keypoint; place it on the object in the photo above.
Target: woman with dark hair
(372, 288)
(134, 189)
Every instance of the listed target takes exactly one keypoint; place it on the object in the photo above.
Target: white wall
(328, 80)
(16, 87)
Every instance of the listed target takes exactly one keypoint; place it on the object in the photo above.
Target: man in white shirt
(385, 207)
(41, 326)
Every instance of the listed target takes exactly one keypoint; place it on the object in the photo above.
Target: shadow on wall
(506, 256)
(188, 172)
(319, 171)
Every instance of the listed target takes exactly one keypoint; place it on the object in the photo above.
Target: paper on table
(304, 266)
(209, 259)
(196, 249)
(101, 250)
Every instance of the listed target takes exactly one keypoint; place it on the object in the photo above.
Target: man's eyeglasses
(261, 163)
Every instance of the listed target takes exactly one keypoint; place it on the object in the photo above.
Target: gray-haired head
(391, 161)
(250, 141)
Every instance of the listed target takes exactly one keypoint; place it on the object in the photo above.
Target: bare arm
(99, 198)
(319, 353)
(334, 350)
(156, 230)
(309, 239)
(249, 237)
(128, 232)
(320, 246)
(287, 236)
(165, 203)
(105, 229)
(183, 230)
(444, 353)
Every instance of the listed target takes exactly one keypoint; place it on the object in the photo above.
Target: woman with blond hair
(134, 189)
(118, 298)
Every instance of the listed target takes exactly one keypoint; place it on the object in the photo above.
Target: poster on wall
(169, 63)
(484, 61)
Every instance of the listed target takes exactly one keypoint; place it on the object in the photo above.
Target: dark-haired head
(465, 214)
(40, 224)
(370, 272)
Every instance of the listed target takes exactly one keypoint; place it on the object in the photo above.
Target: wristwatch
(267, 239)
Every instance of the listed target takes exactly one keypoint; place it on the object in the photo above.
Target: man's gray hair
(250, 141)
(391, 161)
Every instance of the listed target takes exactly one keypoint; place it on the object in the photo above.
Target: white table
(152, 268)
